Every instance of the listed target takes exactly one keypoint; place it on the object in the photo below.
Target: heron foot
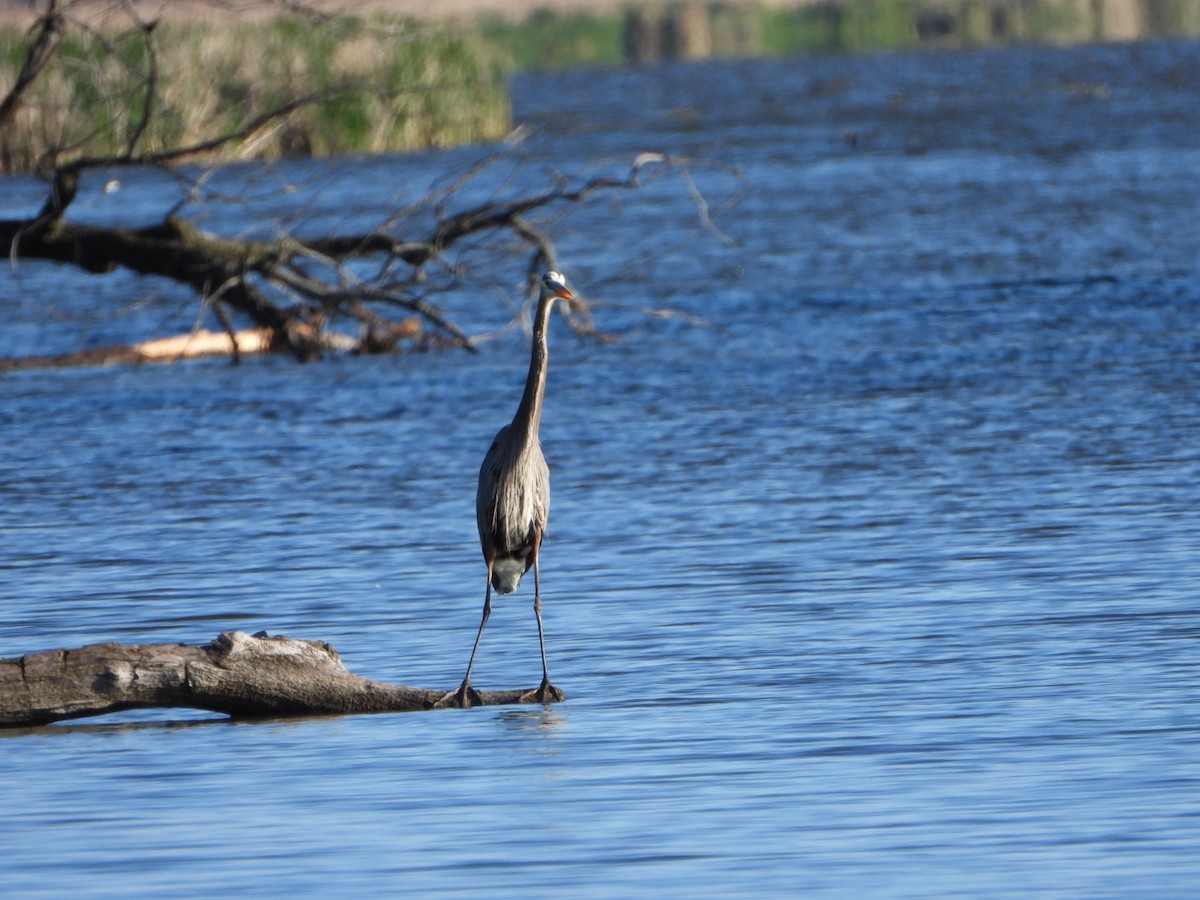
(546, 693)
(463, 698)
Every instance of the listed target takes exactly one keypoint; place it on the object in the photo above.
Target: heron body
(511, 510)
(512, 503)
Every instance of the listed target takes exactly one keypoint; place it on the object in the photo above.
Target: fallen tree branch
(237, 674)
(292, 289)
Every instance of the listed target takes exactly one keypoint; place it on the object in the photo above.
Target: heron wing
(513, 498)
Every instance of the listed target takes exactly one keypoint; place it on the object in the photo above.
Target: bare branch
(296, 288)
(150, 86)
(48, 32)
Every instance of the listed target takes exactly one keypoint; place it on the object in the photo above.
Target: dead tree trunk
(237, 674)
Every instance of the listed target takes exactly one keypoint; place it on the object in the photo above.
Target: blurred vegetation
(552, 40)
(374, 85)
(645, 32)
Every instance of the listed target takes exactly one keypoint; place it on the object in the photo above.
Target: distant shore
(1095, 19)
(520, 9)
(429, 10)
(446, 81)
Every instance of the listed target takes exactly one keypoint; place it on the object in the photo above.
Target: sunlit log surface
(238, 674)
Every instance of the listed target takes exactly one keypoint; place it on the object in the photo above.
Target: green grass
(387, 85)
(548, 40)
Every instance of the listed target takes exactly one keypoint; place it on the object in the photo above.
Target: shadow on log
(242, 675)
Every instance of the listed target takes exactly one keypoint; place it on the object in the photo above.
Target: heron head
(555, 285)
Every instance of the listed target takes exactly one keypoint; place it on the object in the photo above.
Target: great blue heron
(512, 502)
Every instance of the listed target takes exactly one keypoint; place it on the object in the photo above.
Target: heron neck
(529, 413)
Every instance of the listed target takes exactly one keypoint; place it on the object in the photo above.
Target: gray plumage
(512, 502)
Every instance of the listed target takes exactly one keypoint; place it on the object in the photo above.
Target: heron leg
(466, 696)
(546, 693)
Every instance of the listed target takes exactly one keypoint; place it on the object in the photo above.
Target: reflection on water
(885, 586)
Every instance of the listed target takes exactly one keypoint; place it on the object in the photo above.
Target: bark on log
(238, 674)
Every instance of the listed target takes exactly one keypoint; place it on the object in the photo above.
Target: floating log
(198, 344)
(241, 675)
(383, 338)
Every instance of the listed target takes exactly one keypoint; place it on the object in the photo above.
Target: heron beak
(564, 294)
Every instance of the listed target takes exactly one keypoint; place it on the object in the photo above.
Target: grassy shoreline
(373, 86)
(394, 84)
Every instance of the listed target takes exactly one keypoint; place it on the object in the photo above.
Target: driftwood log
(238, 674)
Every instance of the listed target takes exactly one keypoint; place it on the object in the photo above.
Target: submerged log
(198, 344)
(204, 343)
(238, 674)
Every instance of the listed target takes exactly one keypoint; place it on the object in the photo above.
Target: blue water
(880, 580)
